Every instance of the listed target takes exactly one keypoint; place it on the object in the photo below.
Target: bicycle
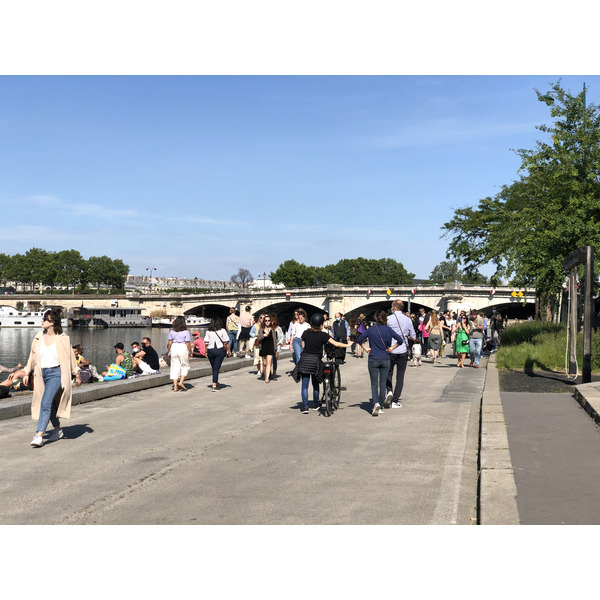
(332, 381)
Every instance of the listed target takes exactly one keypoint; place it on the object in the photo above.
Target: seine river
(98, 344)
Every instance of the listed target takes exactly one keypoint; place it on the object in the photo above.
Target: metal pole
(573, 323)
(587, 316)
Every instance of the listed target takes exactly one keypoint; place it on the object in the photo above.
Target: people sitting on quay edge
(9, 369)
(122, 367)
(145, 358)
(14, 382)
(198, 346)
(87, 371)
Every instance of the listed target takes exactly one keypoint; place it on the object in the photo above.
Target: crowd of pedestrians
(390, 341)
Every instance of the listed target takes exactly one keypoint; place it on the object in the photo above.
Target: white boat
(190, 321)
(11, 317)
(107, 316)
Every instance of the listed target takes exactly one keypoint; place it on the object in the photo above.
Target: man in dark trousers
(497, 326)
(402, 325)
(340, 331)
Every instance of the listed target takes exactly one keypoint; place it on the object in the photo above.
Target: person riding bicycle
(310, 366)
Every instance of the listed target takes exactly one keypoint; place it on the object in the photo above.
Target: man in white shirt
(402, 325)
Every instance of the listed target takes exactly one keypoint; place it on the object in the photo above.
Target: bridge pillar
(334, 300)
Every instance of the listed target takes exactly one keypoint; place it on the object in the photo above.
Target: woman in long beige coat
(53, 363)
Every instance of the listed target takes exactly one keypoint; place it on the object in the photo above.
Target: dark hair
(215, 324)
(78, 347)
(147, 338)
(248, 308)
(54, 315)
(179, 324)
(274, 321)
(381, 317)
(135, 343)
(302, 312)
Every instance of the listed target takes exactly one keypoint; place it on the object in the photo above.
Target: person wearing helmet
(309, 365)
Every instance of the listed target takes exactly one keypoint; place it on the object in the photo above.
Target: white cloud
(81, 209)
(440, 132)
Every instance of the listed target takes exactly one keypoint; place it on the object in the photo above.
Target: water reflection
(98, 344)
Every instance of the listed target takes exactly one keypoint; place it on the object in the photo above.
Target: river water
(98, 344)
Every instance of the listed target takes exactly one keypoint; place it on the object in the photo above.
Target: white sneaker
(37, 441)
(396, 405)
(388, 399)
(376, 410)
(55, 435)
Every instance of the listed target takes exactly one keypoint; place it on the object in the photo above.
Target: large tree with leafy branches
(534, 223)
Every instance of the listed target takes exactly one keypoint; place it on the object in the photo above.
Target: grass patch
(541, 346)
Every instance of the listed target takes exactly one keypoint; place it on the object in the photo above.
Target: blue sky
(200, 175)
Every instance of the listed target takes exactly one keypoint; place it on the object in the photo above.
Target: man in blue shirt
(402, 325)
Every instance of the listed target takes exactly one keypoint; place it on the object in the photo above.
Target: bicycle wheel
(337, 388)
(326, 398)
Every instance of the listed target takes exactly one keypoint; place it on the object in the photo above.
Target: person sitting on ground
(122, 367)
(9, 369)
(145, 359)
(85, 366)
(198, 345)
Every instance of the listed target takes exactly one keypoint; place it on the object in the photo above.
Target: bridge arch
(209, 311)
(512, 309)
(285, 311)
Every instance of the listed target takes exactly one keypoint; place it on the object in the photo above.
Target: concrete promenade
(246, 455)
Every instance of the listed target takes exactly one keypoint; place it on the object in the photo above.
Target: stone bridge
(349, 300)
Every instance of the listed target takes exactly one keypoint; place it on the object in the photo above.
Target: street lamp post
(264, 279)
(151, 269)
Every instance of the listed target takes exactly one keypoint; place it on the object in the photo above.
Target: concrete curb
(588, 395)
(19, 404)
(497, 486)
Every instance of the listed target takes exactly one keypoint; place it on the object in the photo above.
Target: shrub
(527, 332)
(542, 346)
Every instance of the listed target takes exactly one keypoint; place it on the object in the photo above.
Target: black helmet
(317, 320)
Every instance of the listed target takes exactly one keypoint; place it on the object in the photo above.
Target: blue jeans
(215, 358)
(475, 346)
(52, 387)
(233, 341)
(297, 349)
(304, 392)
(378, 372)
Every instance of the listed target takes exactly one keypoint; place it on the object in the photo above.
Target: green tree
(5, 268)
(294, 274)
(447, 271)
(99, 269)
(118, 274)
(348, 271)
(35, 267)
(450, 271)
(533, 224)
(70, 266)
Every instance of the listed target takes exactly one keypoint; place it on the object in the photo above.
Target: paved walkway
(555, 451)
(246, 455)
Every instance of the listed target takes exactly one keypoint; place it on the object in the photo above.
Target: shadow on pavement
(74, 431)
